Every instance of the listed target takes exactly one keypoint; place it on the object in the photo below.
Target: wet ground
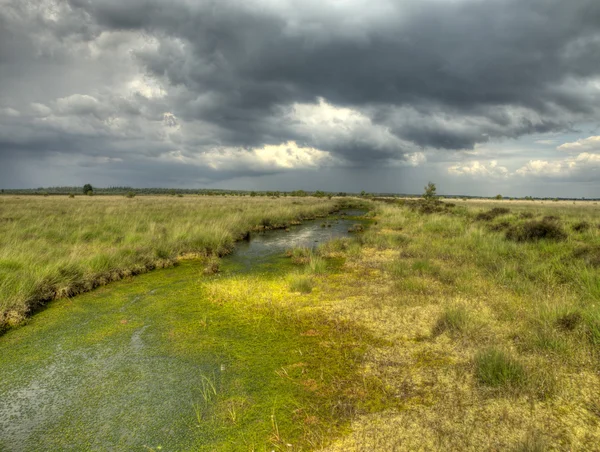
(154, 362)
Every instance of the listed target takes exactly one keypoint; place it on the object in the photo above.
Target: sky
(482, 97)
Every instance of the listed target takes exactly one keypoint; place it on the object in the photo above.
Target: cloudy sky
(480, 96)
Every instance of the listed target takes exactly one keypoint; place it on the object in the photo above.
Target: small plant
(496, 369)
(453, 320)
(582, 226)
(212, 266)
(300, 255)
(316, 265)
(569, 321)
(356, 228)
(301, 283)
(590, 254)
(536, 230)
(491, 214)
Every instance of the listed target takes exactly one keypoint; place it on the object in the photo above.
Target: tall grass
(54, 247)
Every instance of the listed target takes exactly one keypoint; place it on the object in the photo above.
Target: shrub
(569, 321)
(500, 226)
(590, 254)
(130, 194)
(71, 195)
(491, 214)
(582, 226)
(536, 230)
(496, 368)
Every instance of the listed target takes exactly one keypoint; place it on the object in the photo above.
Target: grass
(496, 334)
(54, 247)
(436, 328)
(495, 368)
(302, 283)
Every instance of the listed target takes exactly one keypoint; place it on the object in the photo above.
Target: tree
(429, 191)
(88, 189)
(498, 197)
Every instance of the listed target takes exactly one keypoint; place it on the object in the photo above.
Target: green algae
(182, 361)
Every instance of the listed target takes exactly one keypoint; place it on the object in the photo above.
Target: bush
(497, 369)
(491, 214)
(130, 194)
(536, 230)
(590, 254)
(569, 321)
(582, 226)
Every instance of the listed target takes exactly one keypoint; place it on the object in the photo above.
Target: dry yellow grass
(444, 263)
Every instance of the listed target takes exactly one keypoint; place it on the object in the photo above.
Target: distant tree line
(131, 192)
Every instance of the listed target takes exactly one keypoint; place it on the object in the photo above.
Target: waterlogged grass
(181, 361)
(54, 247)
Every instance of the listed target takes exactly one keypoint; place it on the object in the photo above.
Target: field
(53, 247)
(455, 325)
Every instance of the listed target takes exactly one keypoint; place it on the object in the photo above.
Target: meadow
(493, 313)
(454, 325)
(55, 247)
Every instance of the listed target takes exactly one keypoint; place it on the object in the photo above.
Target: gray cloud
(367, 82)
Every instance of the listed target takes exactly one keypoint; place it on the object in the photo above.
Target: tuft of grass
(213, 266)
(298, 282)
(316, 265)
(497, 369)
(299, 255)
(536, 230)
(533, 442)
(453, 320)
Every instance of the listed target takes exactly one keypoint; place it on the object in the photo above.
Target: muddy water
(120, 368)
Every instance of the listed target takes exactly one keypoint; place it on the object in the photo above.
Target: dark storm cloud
(454, 55)
(418, 74)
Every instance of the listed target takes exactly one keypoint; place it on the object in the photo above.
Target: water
(121, 367)
(264, 246)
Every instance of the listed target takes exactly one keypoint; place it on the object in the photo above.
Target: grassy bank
(52, 247)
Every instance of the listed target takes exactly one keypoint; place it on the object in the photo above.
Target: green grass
(299, 282)
(54, 247)
(496, 368)
(453, 320)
